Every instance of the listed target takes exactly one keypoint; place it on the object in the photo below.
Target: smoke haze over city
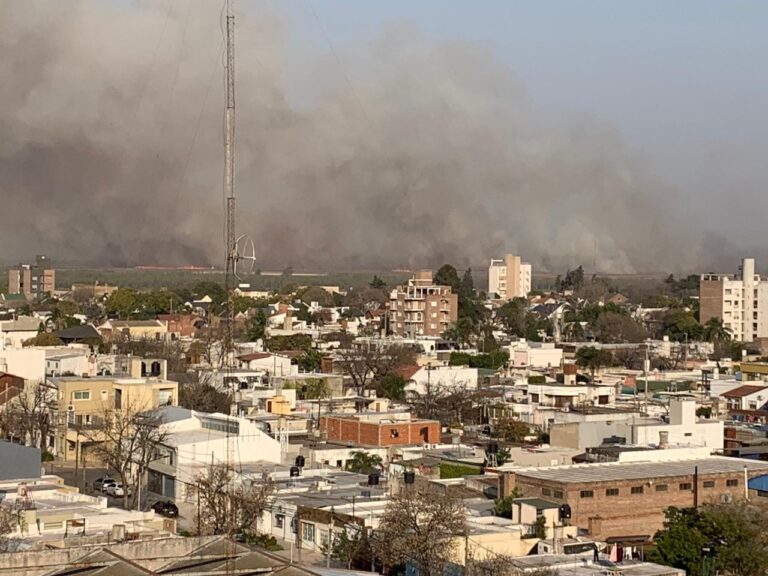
(410, 150)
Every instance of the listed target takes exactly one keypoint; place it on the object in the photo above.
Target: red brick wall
(627, 513)
(375, 434)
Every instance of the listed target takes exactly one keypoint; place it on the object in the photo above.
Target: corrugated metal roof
(610, 472)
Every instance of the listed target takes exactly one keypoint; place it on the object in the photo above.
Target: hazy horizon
(619, 135)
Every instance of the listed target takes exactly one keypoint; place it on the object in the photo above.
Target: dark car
(99, 482)
(165, 508)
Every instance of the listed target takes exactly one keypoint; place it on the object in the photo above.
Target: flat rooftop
(617, 471)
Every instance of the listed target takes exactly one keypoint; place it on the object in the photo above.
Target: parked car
(99, 482)
(107, 483)
(166, 508)
(118, 490)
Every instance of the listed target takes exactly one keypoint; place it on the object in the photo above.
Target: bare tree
(420, 525)
(126, 440)
(28, 415)
(9, 521)
(366, 363)
(226, 506)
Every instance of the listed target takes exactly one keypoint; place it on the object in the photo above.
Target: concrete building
(623, 499)
(509, 278)
(196, 440)
(34, 281)
(524, 354)
(740, 300)
(133, 330)
(13, 333)
(421, 307)
(380, 429)
(422, 379)
(681, 427)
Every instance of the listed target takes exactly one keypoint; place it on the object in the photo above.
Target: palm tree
(363, 463)
(716, 331)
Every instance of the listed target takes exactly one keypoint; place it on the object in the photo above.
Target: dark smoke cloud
(110, 153)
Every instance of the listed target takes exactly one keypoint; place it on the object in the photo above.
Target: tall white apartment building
(509, 277)
(740, 300)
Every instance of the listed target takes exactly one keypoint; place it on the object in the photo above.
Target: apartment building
(509, 277)
(740, 300)
(421, 307)
(83, 401)
(34, 281)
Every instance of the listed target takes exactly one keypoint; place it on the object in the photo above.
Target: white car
(118, 491)
(107, 485)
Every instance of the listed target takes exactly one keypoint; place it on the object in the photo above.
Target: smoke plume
(111, 151)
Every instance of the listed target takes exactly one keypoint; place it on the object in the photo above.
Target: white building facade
(509, 277)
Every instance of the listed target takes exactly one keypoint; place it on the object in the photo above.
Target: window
(558, 494)
(81, 395)
(709, 484)
(661, 487)
(611, 491)
(689, 433)
(637, 490)
(732, 483)
(685, 485)
(307, 532)
(546, 492)
(394, 433)
(586, 494)
(279, 520)
(433, 304)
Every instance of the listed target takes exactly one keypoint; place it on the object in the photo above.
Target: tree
(351, 547)
(715, 331)
(511, 430)
(256, 326)
(614, 327)
(43, 339)
(377, 283)
(363, 463)
(460, 331)
(467, 286)
(503, 506)
(592, 359)
(228, 506)
(447, 275)
(680, 324)
(28, 416)
(310, 361)
(422, 526)
(391, 386)
(203, 397)
(126, 440)
(9, 522)
(512, 316)
(367, 364)
(723, 539)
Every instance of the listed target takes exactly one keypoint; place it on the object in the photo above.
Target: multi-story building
(421, 307)
(509, 277)
(83, 402)
(740, 300)
(34, 281)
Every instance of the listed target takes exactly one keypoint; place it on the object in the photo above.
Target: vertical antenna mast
(229, 149)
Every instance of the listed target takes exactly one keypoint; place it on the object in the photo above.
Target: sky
(624, 135)
(683, 80)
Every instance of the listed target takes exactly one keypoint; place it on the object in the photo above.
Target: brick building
(380, 429)
(629, 499)
(421, 307)
(34, 281)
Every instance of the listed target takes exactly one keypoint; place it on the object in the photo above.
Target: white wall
(28, 363)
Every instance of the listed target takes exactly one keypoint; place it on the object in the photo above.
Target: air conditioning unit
(70, 408)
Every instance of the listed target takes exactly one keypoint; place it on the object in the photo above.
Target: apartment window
(394, 433)
(709, 484)
(586, 494)
(558, 494)
(685, 485)
(546, 492)
(433, 304)
(434, 314)
(611, 491)
(81, 395)
(637, 490)
(307, 532)
(661, 487)
(732, 483)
